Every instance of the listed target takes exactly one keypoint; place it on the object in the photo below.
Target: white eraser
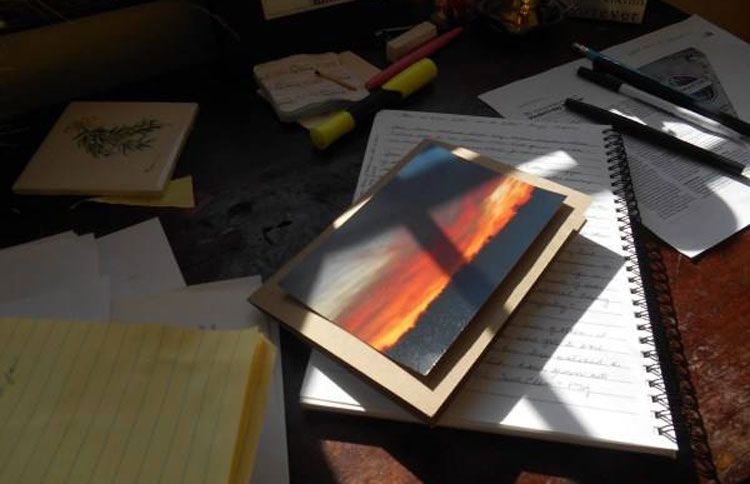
(409, 40)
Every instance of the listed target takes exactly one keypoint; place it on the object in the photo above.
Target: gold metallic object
(518, 16)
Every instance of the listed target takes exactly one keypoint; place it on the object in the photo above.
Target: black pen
(652, 86)
(614, 84)
(647, 133)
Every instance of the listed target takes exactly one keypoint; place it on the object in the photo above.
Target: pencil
(659, 138)
(401, 86)
(340, 82)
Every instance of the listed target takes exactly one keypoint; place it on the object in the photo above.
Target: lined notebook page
(86, 402)
(568, 365)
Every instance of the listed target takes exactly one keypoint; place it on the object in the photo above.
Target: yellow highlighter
(399, 87)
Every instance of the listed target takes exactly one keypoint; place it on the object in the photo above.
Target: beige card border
(427, 396)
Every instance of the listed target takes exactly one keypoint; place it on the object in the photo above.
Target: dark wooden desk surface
(263, 193)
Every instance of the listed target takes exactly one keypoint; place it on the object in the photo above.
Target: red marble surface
(711, 297)
(373, 464)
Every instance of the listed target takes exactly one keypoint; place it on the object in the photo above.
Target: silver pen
(614, 84)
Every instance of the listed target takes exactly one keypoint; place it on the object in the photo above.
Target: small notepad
(86, 402)
(304, 85)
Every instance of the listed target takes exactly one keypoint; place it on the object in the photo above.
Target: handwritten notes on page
(568, 365)
(86, 402)
(306, 85)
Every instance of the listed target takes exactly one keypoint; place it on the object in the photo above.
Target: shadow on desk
(397, 452)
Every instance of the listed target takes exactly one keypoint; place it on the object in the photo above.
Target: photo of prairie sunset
(409, 270)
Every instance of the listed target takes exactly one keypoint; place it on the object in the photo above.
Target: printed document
(689, 205)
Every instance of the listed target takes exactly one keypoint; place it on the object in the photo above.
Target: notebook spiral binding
(667, 365)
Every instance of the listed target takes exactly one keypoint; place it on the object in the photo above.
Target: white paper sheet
(70, 235)
(689, 205)
(223, 305)
(87, 300)
(47, 265)
(568, 366)
(139, 260)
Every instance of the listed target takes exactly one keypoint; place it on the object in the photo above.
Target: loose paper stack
(131, 276)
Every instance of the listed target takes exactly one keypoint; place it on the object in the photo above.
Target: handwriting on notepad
(566, 340)
(548, 354)
(538, 380)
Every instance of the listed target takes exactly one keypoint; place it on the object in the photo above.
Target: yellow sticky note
(129, 403)
(178, 193)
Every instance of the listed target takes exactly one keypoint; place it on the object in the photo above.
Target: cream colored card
(109, 148)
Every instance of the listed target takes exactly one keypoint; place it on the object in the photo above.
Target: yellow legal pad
(92, 402)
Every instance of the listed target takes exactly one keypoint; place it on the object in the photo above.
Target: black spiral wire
(666, 361)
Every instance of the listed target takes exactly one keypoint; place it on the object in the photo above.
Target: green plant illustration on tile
(103, 141)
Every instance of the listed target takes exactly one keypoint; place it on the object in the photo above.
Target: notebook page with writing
(569, 364)
(86, 402)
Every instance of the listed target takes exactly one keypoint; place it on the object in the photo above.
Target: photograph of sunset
(408, 271)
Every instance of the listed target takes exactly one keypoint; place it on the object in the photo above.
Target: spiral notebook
(577, 361)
